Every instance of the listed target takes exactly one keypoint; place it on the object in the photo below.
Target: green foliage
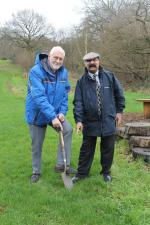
(91, 202)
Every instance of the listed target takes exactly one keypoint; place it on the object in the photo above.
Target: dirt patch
(2, 210)
(133, 117)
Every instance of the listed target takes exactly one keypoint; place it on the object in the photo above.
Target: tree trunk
(137, 128)
(120, 132)
(140, 141)
(144, 152)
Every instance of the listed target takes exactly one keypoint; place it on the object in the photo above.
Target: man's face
(56, 60)
(92, 65)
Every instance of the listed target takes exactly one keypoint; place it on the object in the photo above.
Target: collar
(93, 76)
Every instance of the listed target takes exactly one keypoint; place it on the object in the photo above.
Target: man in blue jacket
(47, 104)
(98, 107)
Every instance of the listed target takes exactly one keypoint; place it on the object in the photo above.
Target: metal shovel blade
(67, 181)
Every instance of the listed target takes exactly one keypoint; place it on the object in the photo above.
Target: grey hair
(57, 48)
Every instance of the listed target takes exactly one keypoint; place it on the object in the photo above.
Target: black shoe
(75, 179)
(70, 170)
(107, 178)
(35, 177)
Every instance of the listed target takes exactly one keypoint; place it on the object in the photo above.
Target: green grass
(91, 202)
(132, 105)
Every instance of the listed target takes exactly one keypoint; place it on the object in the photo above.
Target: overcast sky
(60, 13)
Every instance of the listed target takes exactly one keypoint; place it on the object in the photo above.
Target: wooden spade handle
(61, 139)
(63, 149)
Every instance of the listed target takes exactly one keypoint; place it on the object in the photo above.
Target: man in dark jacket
(98, 106)
(47, 104)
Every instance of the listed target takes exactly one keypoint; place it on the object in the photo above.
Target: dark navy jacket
(47, 94)
(85, 103)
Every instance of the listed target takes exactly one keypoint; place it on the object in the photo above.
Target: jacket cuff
(78, 121)
(63, 112)
(52, 118)
(119, 111)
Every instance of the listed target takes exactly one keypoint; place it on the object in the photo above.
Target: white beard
(55, 66)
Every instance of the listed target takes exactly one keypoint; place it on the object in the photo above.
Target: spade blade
(67, 181)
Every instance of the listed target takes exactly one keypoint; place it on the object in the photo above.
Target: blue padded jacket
(47, 93)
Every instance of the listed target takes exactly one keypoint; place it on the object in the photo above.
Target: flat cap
(91, 55)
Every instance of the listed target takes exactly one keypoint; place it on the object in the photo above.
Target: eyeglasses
(90, 60)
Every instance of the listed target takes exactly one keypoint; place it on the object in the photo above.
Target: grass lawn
(125, 201)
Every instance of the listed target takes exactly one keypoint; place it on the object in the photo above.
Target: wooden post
(146, 110)
(146, 106)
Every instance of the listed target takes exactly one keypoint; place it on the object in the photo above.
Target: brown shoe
(59, 168)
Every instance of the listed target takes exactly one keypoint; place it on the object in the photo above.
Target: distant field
(126, 201)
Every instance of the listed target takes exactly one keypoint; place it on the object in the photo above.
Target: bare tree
(121, 30)
(101, 12)
(26, 28)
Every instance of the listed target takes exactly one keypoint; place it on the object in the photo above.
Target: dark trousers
(87, 151)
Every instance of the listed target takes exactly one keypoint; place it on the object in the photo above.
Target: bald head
(57, 49)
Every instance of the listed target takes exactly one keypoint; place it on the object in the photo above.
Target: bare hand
(57, 124)
(79, 127)
(118, 119)
(61, 117)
